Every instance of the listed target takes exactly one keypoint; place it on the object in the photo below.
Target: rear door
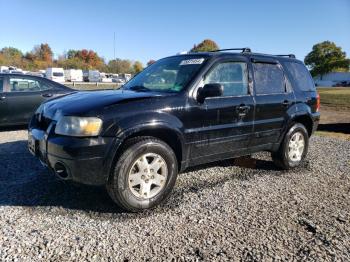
(23, 98)
(273, 97)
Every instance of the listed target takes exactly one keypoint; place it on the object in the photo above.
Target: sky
(154, 29)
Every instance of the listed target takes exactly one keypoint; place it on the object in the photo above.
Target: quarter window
(24, 85)
(269, 79)
(300, 75)
(232, 75)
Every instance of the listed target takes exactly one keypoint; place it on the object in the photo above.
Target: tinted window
(300, 76)
(232, 75)
(1, 84)
(18, 84)
(269, 78)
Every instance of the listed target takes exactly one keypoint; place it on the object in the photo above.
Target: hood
(82, 102)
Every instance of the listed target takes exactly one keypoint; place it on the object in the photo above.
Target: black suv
(181, 111)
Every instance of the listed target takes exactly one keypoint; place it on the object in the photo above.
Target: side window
(44, 86)
(269, 79)
(232, 75)
(18, 84)
(1, 84)
(300, 76)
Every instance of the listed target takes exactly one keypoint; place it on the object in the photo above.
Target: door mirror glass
(209, 90)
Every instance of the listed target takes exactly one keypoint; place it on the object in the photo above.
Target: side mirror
(209, 90)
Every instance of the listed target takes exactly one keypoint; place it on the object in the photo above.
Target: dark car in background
(21, 94)
(179, 112)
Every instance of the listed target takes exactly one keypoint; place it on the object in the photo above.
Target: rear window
(300, 76)
(57, 74)
(269, 79)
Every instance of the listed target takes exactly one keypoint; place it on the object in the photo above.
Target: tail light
(318, 103)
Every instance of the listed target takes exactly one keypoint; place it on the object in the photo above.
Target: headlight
(78, 126)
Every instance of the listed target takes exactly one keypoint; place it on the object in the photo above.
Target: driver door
(226, 121)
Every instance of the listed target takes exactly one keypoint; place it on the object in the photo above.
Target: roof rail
(243, 49)
(289, 55)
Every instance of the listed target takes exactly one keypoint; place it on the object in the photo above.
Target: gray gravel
(216, 212)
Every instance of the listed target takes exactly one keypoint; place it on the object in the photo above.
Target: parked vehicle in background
(179, 112)
(4, 69)
(118, 80)
(21, 94)
(85, 75)
(73, 75)
(126, 77)
(55, 74)
(94, 76)
(106, 78)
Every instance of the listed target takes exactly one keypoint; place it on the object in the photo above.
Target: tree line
(41, 57)
(324, 57)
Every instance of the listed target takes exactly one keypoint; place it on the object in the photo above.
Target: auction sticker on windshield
(196, 61)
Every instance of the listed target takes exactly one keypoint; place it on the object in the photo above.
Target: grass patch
(336, 97)
(341, 136)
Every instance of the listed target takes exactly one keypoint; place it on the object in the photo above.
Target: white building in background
(333, 78)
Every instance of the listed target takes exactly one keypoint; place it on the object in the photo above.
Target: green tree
(326, 57)
(138, 67)
(11, 56)
(120, 66)
(205, 46)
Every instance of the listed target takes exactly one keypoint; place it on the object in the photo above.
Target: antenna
(114, 45)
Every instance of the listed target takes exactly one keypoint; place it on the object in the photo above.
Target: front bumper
(86, 160)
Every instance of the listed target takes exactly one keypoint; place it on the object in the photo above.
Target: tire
(282, 158)
(156, 185)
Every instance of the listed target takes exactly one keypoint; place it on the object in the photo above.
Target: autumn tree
(205, 46)
(326, 57)
(138, 67)
(150, 62)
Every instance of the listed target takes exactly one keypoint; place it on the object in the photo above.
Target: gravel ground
(216, 212)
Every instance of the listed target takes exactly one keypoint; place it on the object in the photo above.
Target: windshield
(167, 75)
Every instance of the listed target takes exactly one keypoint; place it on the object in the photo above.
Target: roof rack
(289, 55)
(243, 49)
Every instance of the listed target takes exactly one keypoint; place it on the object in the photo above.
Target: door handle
(285, 103)
(242, 110)
(2, 98)
(47, 95)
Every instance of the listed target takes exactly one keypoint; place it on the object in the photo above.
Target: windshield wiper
(139, 88)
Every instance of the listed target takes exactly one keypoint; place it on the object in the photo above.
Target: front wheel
(144, 175)
(293, 148)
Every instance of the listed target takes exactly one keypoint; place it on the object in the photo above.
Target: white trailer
(4, 69)
(55, 74)
(73, 75)
(94, 76)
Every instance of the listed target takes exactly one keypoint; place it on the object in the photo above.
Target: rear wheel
(144, 175)
(293, 148)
